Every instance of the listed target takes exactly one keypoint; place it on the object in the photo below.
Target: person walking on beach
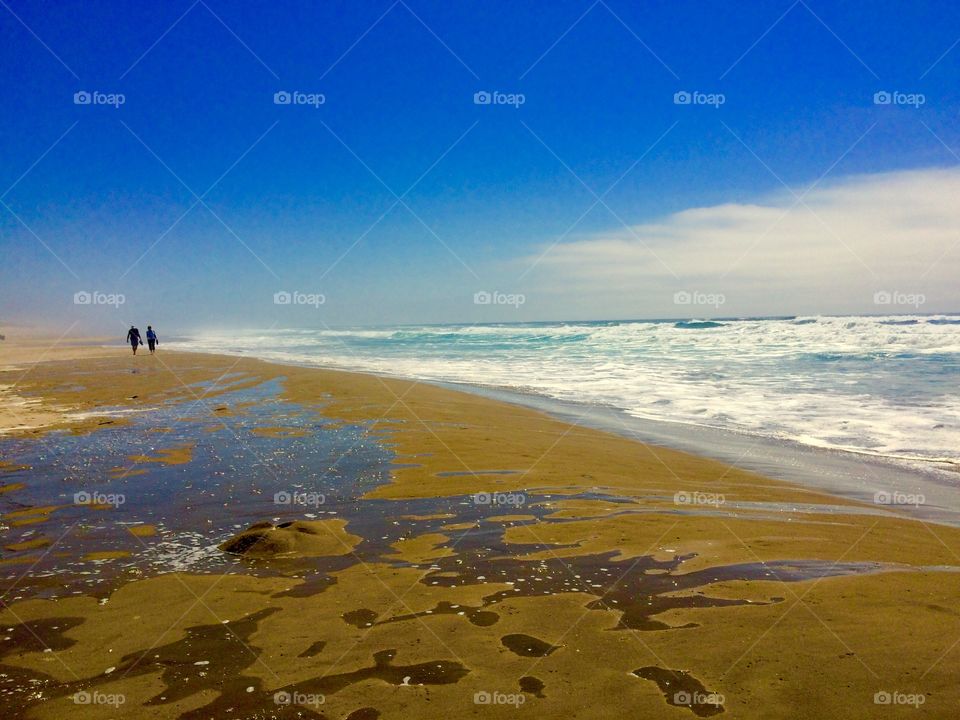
(133, 337)
(152, 340)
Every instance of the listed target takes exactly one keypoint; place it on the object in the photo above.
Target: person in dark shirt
(152, 340)
(133, 337)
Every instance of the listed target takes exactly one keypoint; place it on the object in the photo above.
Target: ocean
(885, 386)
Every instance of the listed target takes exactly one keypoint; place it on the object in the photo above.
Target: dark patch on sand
(480, 618)
(367, 713)
(19, 686)
(532, 685)
(681, 689)
(527, 645)
(316, 583)
(314, 649)
(360, 618)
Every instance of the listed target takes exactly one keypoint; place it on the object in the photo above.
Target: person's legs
(152, 344)
(134, 346)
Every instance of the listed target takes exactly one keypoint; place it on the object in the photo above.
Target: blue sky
(493, 197)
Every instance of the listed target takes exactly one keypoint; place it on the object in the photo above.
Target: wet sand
(429, 553)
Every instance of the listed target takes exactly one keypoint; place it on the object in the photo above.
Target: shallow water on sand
(186, 476)
(162, 492)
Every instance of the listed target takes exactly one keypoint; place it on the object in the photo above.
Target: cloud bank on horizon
(877, 243)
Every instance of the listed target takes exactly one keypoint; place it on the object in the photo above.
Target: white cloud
(829, 253)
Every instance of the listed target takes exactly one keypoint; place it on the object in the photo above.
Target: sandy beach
(200, 536)
(422, 360)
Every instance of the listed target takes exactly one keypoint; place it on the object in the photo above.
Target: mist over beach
(426, 360)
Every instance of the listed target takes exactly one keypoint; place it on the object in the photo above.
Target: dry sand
(428, 634)
(19, 356)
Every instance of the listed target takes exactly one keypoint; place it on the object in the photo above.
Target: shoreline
(844, 473)
(409, 587)
(859, 476)
(851, 384)
(529, 398)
